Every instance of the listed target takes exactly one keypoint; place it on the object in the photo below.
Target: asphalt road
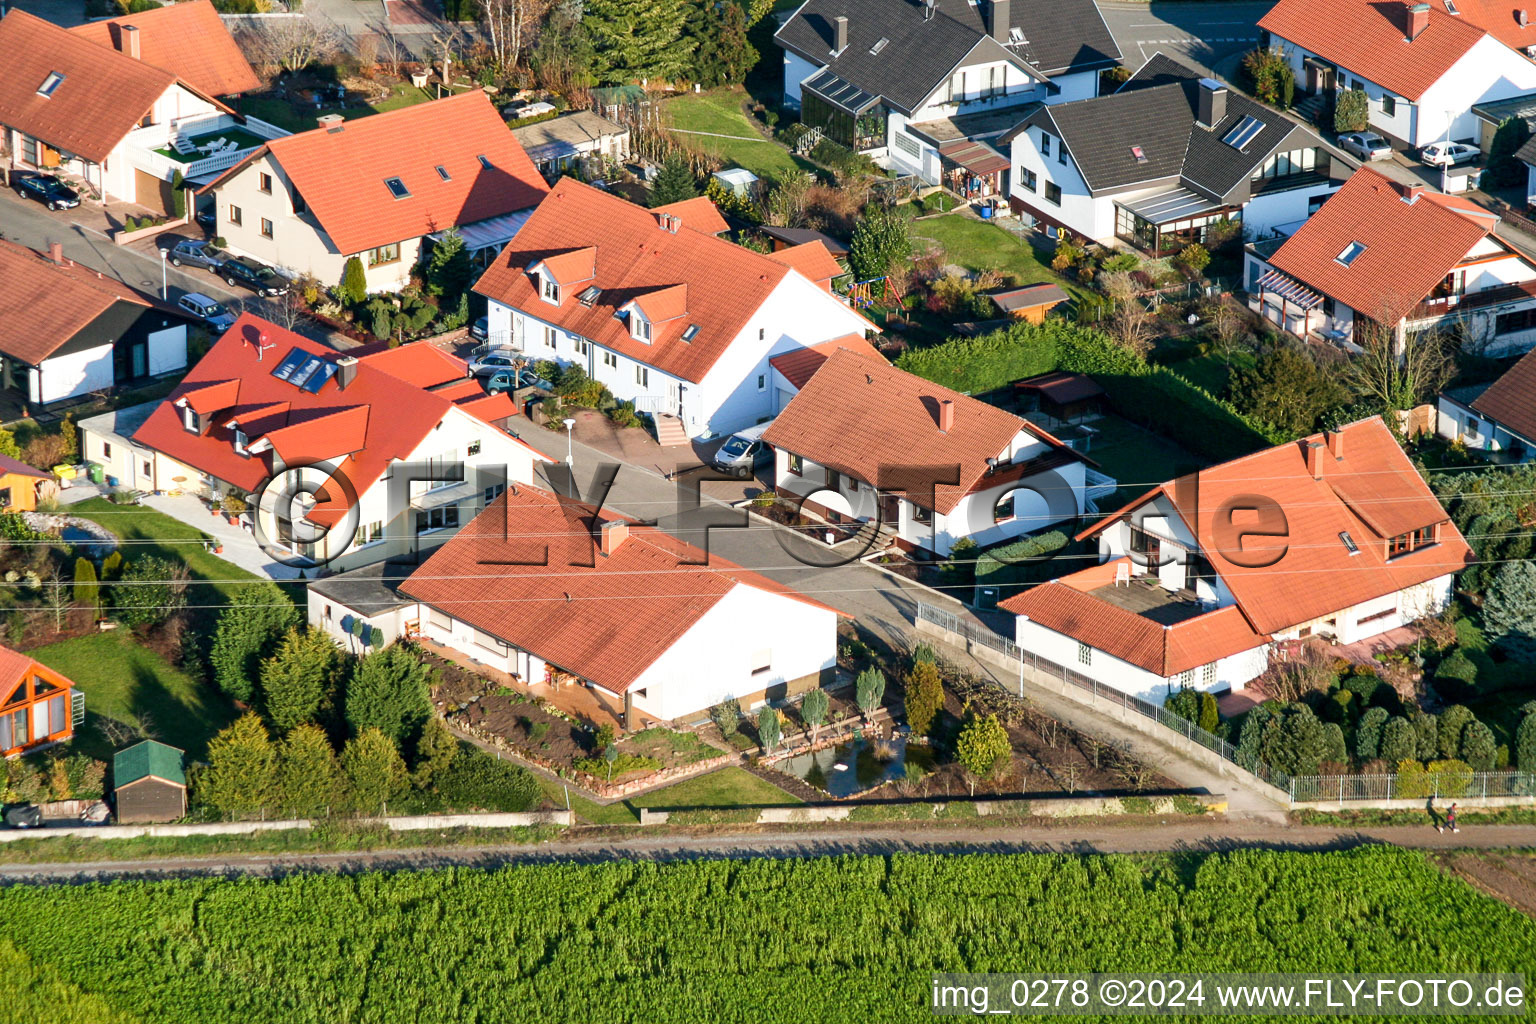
(1209, 34)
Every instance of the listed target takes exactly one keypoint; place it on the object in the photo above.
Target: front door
(890, 510)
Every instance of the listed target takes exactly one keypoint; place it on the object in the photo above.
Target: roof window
(1139, 153)
(875, 50)
(1244, 132)
(691, 333)
(397, 188)
(50, 84)
(1349, 542)
(1351, 253)
(442, 172)
(1015, 35)
(485, 161)
(588, 296)
(1450, 5)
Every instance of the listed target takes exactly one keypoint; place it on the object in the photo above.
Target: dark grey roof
(368, 591)
(1527, 151)
(1498, 111)
(1156, 111)
(799, 236)
(920, 52)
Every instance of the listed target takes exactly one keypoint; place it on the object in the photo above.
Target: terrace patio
(1149, 599)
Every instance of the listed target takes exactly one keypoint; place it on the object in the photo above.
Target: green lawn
(1137, 458)
(285, 115)
(133, 685)
(722, 789)
(720, 113)
(1211, 371)
(977, 245)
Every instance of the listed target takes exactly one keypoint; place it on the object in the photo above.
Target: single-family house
(272, 417)
(554, 592)
(583, 139)
(1494, 418)
(792, 370)
(38, 705)
(1160, 161)
(66, 331)
(923, 85)
(666, 315)
(1383, 255)
(1422, 66)
(125, 105)
(379, 189)
(864, 441)
(149, 783)
(1334, 536)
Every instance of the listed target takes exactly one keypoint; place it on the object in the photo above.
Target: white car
(1448, 154)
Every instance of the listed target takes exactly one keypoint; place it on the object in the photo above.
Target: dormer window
(549, 289)
(189, 420)
(639, 326)
(50, 84)
(238, 439)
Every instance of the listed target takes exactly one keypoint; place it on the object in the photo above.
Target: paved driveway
(1207, 34)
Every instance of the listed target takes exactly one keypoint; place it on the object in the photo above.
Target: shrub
(1368, 734)
(1477, 746)
(151, 589)
(1351, 111)
(1525, 743)
(1453, 721)
(727, 716)
(924, 696)
(354, 282)
(1426, 729)
(1398, 741)
(879, 245)
(1195, 257)
(475, 780)
(1509, 610)
(1456, 666)
(1185, 703)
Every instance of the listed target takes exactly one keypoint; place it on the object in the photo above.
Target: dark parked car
(192, 253)
(480, 329)
(205, 219)
(208, 310)
(253, 274)
(48, 190)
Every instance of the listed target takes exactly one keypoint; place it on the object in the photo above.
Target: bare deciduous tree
(1131, 323)
(1399, 378)
(509, 24)
(292, 44)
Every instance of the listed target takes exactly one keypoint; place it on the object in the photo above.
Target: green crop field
(839, 939)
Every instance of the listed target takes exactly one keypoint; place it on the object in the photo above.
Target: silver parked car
(191, 253)
(1366, 145)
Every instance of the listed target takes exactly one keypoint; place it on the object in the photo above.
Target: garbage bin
(97, 472)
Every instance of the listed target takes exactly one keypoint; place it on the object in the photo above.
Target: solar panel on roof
(1244, 132)
(317, 381)
(292, 361)
(302, 374)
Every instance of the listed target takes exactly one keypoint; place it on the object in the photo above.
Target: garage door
(151, 191)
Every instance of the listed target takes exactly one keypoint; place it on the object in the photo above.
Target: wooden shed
(1030, 302)
(1068, 397)
(149, 783)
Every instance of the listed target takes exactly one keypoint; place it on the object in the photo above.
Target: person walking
(1450, 819)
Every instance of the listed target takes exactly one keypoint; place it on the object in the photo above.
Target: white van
(744, 451)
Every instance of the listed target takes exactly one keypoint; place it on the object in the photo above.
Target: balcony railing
(1436, 308)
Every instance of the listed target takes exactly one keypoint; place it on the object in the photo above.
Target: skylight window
(397, 188)
(873, 50)
(1244, 132)
(1351, 252)
(1349, 542)
(1015, 35)
(50, 84)
(442, 172)
(1450, 5)
(1139, 153)
(485, 161)
(691, 333)
(588, 296)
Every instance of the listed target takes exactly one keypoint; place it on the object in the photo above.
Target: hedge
(1153, 396)
(1005, 566)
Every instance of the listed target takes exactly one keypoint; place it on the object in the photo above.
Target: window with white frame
(549, 289)
(582, 346)
(1084, 654)
(442, 620)
(368, 533)
(549, 336)
(642, 375)
(611, 360)
(1208, 675)
(639, 327)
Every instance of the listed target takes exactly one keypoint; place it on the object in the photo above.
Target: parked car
(192, 253)
(480, 329)
(1448, 154)
(48, 190)
(493, 362)
(743, 452)
(205, 219)
(209, 311)
(496, 383)
(1366, 146)
(253, 274)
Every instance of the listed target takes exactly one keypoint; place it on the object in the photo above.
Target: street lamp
(569, 459)
(164, 290)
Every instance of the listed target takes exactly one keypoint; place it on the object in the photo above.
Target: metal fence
(1029, 659)
(1419, 786)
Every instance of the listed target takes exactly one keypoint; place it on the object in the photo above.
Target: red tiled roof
(1409, 247)
(664, 304)
(424, 365)
(341, 174)
(635, 255)
(801, 365)
(1307, 572)
(14, 667)
(1163, 650)
(607, 621)
(44, 304)
(1510, 401)
(1500, 19)
(865, 418)
(104, 95)
(375, 420)
(699, 213)
(812, 260)
(573, 267)
(187, 39)
(1369, 38)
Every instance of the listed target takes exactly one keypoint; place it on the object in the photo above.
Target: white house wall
(1082, 212)
(72, 374)
(714, 659)
(796, 70)
(1451, 422)
(167, 350)
(327, 614)
(1489, 71)
(1267, 211)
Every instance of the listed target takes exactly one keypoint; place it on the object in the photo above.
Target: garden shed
(149, 783)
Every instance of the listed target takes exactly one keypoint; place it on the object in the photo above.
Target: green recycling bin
(97, 472)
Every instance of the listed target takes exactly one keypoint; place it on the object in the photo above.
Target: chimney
(614, 533)
(346, 371)
(839, 34)
(1314, 463)
(1336, 443)
(1213, 103)
(56, 252)
(946, 415)
(1412, 191)
(1418, 20)
(1000, 21)
(330, 122)
(128, 41)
